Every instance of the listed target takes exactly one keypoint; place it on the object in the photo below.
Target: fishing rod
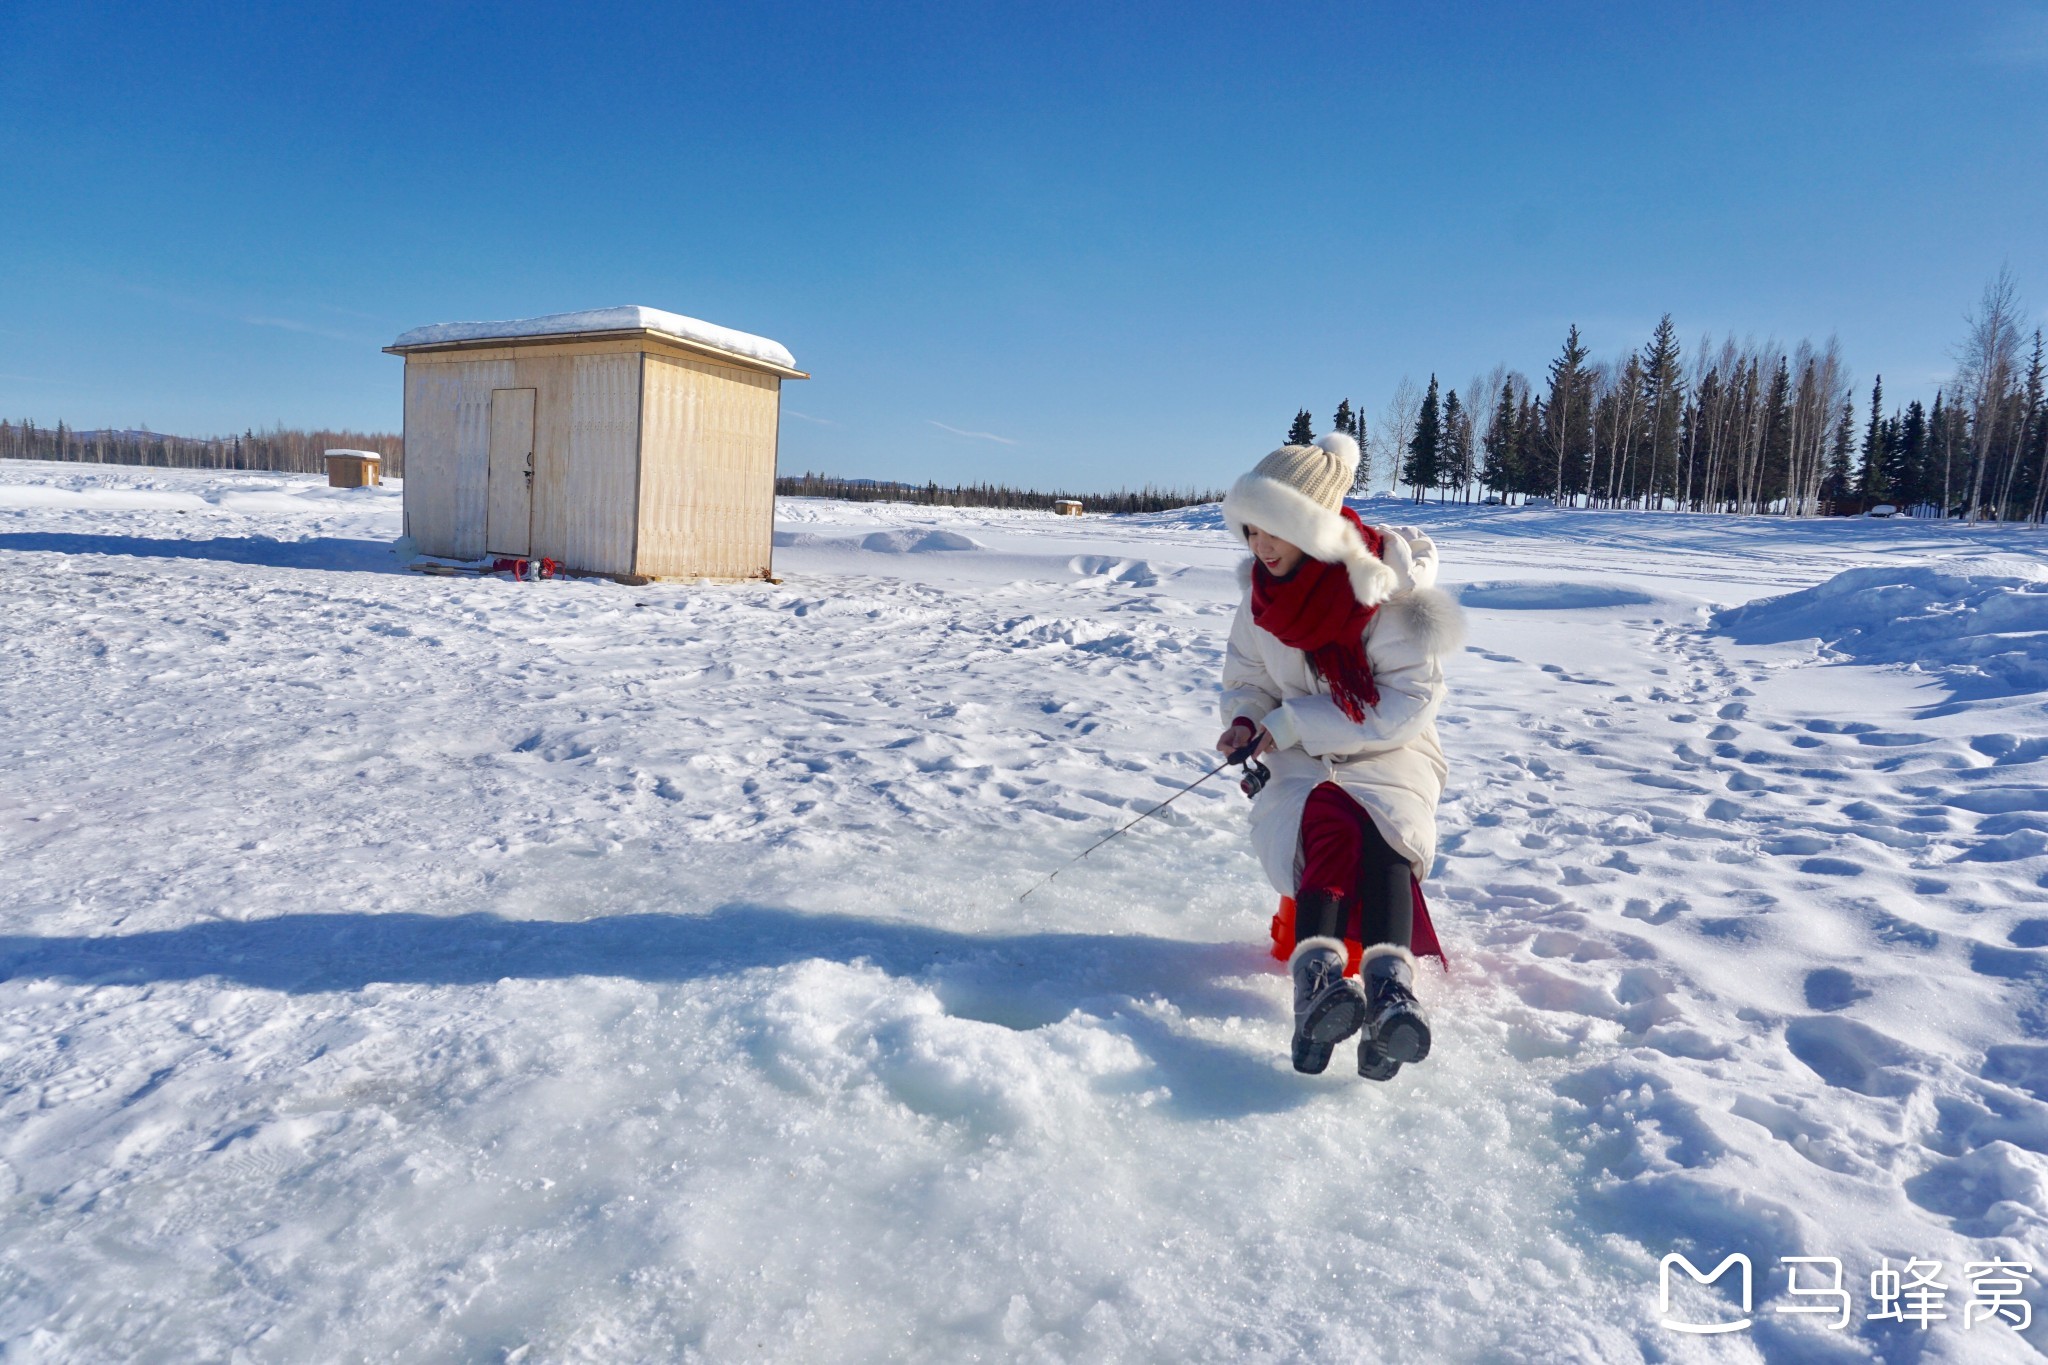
(1256, 775)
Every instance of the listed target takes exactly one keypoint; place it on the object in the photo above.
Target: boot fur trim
(1379, 950)
(1335, 945)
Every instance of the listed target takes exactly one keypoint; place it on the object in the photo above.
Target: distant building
(622, 441)
(1067, 507)
(353, 468)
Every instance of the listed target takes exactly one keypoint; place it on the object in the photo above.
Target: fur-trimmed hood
(1407, 570)
(1323, 533)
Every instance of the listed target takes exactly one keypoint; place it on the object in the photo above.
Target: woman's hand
(1237, 736)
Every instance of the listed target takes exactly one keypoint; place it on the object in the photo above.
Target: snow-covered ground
(419, 968)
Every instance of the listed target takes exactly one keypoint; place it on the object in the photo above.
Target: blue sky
(1084, 245)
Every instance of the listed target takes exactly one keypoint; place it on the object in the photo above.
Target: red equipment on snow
(1423, 943)
(524, 569)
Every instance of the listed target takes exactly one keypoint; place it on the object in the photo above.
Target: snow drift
(1981, 621)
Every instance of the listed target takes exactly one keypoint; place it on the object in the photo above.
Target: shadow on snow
(318, 552)
(1017, 981)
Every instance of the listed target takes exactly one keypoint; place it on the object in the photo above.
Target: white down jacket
(1391, 761)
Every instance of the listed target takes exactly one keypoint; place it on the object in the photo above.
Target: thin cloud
(210, 308)
(294, 325)
(972, 435)
(806, 417)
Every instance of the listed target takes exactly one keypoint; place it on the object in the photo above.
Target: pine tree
(1500, 471)
(1454, 464)
(1568, 413)
(1835, 484)
(1361, 483)
(1870, 476)
(2031, 447)
(1894, 437)
(1663, 400)
(1941, 450)
(1425, 448)
(1777, 435)
(1343, 420)
(1905, 475)
(1303, 432)
(1532, 420)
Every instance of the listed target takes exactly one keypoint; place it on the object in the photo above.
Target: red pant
(1344, 854)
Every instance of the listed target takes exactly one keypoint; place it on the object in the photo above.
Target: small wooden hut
(1066, 507)
(622, 441)
(353, 468)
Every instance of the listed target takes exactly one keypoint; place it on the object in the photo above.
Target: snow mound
(1139, 573)
(904, 542)
(829, 1028)
(1980, 620)
(1525, 596)
(625, 318)
(896, 542)
(1201, 516)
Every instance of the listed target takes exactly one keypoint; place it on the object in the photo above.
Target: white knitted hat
(1297, 493)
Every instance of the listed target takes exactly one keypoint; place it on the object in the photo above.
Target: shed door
(508, 527)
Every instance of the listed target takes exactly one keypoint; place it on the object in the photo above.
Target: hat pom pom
(1341, 445)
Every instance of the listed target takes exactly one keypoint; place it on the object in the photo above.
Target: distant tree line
(291, 451)
(279, 448)
(1744, 427)
(1147, 499)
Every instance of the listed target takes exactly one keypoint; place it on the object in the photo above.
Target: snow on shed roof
(629, 317)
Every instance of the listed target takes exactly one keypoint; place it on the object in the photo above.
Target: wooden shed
(624, 441)
(353, 468)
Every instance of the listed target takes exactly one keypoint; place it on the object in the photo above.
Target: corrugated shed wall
(707, 472)
(448, 451)
(586, 464)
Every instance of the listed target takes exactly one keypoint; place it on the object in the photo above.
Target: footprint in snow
(2023, 1066)
(1832, 988)
(2009, 964)
(1970, 1189)
(1851, 1056)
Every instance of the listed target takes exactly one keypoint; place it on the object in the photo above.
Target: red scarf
(1313, 610)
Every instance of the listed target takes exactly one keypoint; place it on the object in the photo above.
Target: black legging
(1334, 826)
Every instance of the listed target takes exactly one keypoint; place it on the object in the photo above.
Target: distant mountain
(138, 434)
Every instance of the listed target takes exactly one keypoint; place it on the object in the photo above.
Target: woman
(1335, 672)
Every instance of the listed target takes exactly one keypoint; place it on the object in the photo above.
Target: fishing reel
(1256, 774)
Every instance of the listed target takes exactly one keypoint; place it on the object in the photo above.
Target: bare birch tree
(1391, 433)
(1985, 370)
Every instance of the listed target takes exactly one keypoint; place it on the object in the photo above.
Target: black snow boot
(1395, 1026)
(1328, 1006)
(1374, 1064)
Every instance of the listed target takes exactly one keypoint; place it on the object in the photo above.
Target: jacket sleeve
(1248, 690)
(1410, 679)
(1422, 554)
